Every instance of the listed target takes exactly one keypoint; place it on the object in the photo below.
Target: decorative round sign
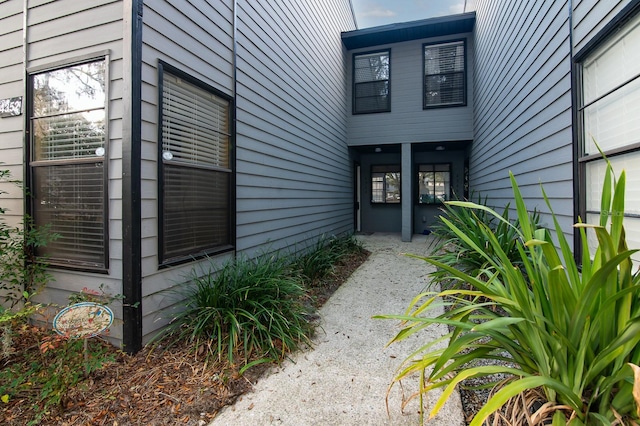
(83, 320)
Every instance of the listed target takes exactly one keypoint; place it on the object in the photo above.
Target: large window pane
(371, 91)
(444, 74)
(196, 169)
(385, 184)
(434, 183)
(68, 173)
(70, 199)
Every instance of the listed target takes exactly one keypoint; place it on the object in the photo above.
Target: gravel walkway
(343, 379)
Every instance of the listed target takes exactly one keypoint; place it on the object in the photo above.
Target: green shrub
(454, 251)
(568, 331)
(248, 307)
(320, 259)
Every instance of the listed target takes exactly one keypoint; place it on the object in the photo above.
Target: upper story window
(385, 184)
(609, 107)
(371, 78)
(444, 75)
(68, 146)
(195, 168)
(434, 183)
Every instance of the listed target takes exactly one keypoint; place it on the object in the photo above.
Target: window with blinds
(444, 74)
(371, 89)
(67, 165)
(196, 169)
(434, 183)
(609, 108)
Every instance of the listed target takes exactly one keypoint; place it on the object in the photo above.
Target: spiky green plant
(454, 251)
(249, 307)
(566, 330)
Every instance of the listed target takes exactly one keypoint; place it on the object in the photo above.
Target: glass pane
(371, 67)
(195, 125)
(392, 183)
(377, 188)
(613, 121)
(76, 88)
(70, 198)
(196, 210)
(595, 176)
(444, 58)
(434, 187)
(67, 136)
(632, 232)
(613, 63)
(371, 97)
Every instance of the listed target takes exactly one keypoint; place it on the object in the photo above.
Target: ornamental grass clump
(250, 308)
(475, 223)
(570, 334)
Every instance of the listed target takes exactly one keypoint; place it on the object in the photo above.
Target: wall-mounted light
(378, 149)
(439, 148)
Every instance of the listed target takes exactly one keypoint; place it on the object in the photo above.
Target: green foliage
(44, 377)
(566, 330)
(475, 223)
(319, 259)
(21, 274)
(248, 307)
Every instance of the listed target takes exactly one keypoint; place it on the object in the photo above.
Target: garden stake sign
(82, 321)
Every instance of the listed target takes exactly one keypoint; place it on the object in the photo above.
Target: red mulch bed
(153, 387)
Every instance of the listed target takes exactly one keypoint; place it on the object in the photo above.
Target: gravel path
(343, 379)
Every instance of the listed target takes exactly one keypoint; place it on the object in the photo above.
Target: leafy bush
(454, 251)
(44, 376)
(568, 331)
(22, 275)
(249, 307)
(319, 260)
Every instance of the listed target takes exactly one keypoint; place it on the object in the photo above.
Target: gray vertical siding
(294, 177)
(407, 121)
(522, 108)
(590, 17)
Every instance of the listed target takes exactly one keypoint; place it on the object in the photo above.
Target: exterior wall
(408, 122)
(294, 178)
(58, 32)
(11, 128)
(590, 17)
(293, 172)
(522, 108)
(198, 41)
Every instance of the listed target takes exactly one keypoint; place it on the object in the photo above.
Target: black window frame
(385, 169)
(463, 103)
(436, 201)
(355, 85)
(581, 157)
(166, 259)
(82, 162)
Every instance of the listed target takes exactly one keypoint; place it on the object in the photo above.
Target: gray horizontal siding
(407, 121)
(11, 128)
(195, 37)
(523, 105)
(590, 17)
(293, 170)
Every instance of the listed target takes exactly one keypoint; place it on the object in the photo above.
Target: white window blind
(196, 169)
(68, 173)
(444, 74)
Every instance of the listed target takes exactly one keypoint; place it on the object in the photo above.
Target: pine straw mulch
(154, 387)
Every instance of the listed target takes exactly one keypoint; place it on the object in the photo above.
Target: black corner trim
(131, 191)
